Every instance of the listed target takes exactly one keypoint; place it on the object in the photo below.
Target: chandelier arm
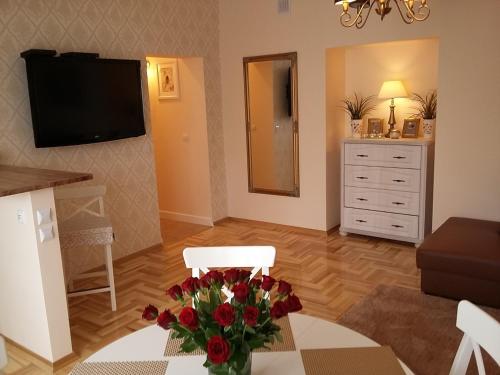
(361, 22)
(345, 18)
(408, 19)
(420, 15)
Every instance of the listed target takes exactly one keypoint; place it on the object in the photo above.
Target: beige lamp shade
(392, 89)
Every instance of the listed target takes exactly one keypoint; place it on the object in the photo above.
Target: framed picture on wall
(410, 128)
(168, 80)
(375, 126)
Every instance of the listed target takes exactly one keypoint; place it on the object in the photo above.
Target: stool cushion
(462, 246)
(85, 230)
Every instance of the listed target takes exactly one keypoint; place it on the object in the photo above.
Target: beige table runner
(120, 368)
(351, 361)
(288, 345)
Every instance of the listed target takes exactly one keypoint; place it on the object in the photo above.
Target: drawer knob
(362, 199)
(397, 226)
(398, 203)
(362, 156)
(398, 180)
(399, 157)
(361, 221)
(362, 178)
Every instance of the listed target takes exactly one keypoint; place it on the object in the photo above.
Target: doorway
(179, 131)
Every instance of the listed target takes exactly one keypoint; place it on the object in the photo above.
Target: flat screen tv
(78, 98)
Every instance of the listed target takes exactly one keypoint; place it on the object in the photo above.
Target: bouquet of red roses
(227, 331)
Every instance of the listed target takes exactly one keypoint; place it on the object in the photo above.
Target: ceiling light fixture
(410, 10)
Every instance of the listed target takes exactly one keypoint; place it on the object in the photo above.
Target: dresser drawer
(399, 156)
(381, 222)
(383, 178)
(382, 200)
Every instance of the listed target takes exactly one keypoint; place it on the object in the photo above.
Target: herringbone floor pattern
(329, 272)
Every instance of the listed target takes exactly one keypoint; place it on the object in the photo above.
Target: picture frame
(375, 126)
(411, 128)
(168, 80)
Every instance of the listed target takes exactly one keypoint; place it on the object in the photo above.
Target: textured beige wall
(180, 142)
(467, 173)
(116, 29)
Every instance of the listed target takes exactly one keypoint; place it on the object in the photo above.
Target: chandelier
(410, 10)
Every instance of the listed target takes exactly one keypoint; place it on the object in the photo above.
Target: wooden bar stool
(85, 226)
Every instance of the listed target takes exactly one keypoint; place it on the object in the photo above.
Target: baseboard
(202, 220)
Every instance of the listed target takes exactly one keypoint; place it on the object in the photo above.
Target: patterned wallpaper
(114, 29)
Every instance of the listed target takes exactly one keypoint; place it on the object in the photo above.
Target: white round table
(148, 344)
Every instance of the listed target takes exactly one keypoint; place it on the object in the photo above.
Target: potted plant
(357, 108)
(227, 331)
(427, 110)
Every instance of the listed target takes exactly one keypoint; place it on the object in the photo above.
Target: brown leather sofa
(461, 260)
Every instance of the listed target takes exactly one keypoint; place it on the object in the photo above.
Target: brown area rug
(420, 328)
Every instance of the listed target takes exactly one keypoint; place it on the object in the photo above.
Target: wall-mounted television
(79, 98)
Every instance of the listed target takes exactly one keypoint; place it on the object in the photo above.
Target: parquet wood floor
(329, 272)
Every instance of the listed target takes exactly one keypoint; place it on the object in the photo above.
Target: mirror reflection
(272, 127)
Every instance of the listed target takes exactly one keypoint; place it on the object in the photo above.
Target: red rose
(213, 277)
(250, 315)
(241, 291)
(150, 313)
(232, 276)
(245, 275)
(191, 285)
(255, 283)
(224, 314)
(279, 310)
(189, 318)
(165, 318)
(284, 288)
(293, 304)
(175, 292)
(218, 350)
(267, 283)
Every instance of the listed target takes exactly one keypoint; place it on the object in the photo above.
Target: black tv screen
(79, 98)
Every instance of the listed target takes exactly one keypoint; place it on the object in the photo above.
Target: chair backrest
(87, 196)
(259, 258)
(480, 330)
(3, 354)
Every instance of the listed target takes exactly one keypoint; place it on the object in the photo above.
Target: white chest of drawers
(387, 188)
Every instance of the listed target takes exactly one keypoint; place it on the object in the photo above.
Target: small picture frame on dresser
(411, 127)
(375, 126)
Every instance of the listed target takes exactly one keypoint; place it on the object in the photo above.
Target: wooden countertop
(16, 180)
(385, 141)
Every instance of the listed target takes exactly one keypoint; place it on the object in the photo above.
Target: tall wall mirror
(272, 124)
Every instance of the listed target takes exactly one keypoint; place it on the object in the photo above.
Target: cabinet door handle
(399, 157)
(361, 221)
(397, 203)
(397, 226)
(362, 178)
(398, 180)
(362, 199)
(362, 156)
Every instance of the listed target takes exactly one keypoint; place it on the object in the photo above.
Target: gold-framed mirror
(271, 107)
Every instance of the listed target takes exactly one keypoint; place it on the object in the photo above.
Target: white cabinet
(387, 188)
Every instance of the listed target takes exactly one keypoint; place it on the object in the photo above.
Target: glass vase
(245, 370)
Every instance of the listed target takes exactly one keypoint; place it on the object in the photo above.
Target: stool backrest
(259, 258)
(87, 197)
(480, 330)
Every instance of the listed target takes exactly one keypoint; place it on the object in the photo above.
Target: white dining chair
(3, 354)
(85, 225)
(480, 331)
(201, 259)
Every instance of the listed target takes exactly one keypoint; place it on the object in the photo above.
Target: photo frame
(375, 126)
(411, 127)
(168, 80)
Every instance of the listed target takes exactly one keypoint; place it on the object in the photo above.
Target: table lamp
(392, 90)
